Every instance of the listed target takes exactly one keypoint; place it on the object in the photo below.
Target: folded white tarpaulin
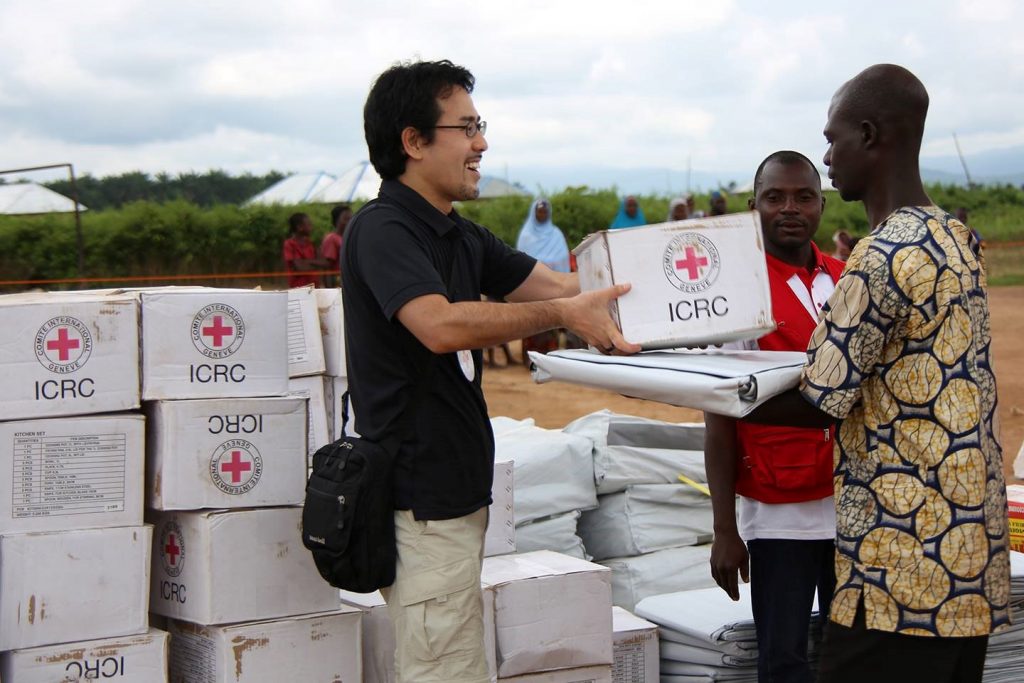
(677, 652)
(646, 518)
(554, 471)
(664, 571)
(708, 672)
(721, 381)
(747, 647)
(708, 615)
(707, 618)
(557, 533)
(632, 450)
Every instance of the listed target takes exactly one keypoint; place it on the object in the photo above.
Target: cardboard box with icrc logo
(68, 354)
(64, 474)
(226, 453)
(694, 282)
(141, 657)
(227, 566)
(213, 343)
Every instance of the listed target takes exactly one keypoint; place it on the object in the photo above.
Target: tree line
(201, 189)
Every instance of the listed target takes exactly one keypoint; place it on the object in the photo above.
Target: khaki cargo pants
(435, 602)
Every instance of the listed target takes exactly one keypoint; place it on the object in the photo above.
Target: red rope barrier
(158, 278)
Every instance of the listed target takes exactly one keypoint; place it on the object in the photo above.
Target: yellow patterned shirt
(902, 356)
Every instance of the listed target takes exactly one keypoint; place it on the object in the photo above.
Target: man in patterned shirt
(902, 360)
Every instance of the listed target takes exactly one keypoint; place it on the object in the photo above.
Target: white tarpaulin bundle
(705, 636)
(557, 533)
(721, 381)
(646, 518)
(554, 471)
(1004, 662)
(632, 450)
(664, 571)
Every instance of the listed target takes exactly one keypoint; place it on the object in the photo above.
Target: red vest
(787, 464)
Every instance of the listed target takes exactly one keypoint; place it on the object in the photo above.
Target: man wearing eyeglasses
(413, 271)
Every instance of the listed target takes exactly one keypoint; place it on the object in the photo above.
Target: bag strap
(392, 442)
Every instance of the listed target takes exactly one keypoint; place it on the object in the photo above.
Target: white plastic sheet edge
(725, 382)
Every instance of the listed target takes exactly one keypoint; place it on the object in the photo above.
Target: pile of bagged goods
(157, 444)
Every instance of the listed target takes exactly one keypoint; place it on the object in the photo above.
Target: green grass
(1005, 265)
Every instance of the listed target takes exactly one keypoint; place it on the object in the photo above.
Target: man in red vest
(783, 475)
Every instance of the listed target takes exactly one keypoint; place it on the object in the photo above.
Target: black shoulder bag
(348, 518)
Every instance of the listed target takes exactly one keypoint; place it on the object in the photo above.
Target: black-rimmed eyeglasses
(470, 128)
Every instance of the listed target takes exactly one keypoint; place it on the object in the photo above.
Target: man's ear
(823, 202)
(868, 134)
(412, 143)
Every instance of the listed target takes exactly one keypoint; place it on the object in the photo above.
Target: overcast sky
(151, 85)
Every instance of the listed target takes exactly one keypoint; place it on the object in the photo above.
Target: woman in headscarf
(630, 215)
(677, 210)
(542, 239)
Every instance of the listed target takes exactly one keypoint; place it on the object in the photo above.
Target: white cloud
(251, 86)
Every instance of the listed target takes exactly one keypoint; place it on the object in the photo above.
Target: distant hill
(991, 167)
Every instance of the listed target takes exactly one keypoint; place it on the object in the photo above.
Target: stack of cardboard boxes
(74, 552)
(226, 471)
(232, 402)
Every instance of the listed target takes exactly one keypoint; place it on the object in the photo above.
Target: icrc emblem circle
(691, 262)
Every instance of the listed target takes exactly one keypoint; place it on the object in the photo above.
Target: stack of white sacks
(74, 552)
(607, 488)
(554, 481)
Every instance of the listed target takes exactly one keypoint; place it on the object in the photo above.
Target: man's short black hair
(785, 156)
(337, 211)
(295, 220)
(406, 95)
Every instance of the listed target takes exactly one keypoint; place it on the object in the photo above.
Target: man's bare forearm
(720, 462)
(444, 327)
(475, 325)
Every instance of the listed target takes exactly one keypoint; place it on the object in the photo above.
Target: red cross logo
(692, 263)
(172, 549)
(62, 344)
(218, 331)
(235, 467)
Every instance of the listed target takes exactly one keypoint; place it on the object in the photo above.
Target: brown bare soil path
(510, 391)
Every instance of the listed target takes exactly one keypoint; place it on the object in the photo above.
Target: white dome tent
(359, 182)
(21, 199)
(295, 189)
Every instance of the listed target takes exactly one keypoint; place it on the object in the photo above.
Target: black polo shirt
(397, 248)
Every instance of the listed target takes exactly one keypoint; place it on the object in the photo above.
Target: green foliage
(179, 237)
(203, 189)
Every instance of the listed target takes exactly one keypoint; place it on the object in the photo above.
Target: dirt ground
(510, 391)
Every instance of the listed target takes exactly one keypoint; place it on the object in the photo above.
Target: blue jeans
(784, 575)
